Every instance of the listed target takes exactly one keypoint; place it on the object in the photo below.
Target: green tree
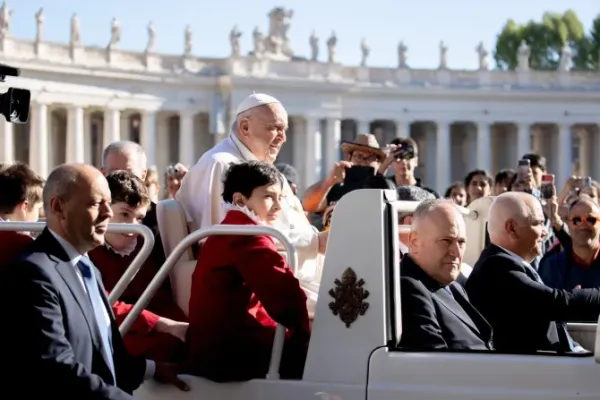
(546, 38)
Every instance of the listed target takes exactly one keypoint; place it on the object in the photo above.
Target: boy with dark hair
(20, 201)
(161, 339)
(242, 288)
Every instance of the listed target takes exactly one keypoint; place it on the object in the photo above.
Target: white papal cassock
(200, 196)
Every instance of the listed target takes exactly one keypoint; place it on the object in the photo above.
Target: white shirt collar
(123, 252)
(72, 253)
(245, 152)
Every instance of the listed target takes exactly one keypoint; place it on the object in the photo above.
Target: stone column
(363, 127)
(403, 129)
(187, 147)
(332, 142)
(596, 151)
(483, 152)
(442, 151)
(585, 144)
(310, 152)
(148, 136)
(523, 140)
(8, 141)
(111, 126)
(75, 132)
(565, 159)
(38, 140)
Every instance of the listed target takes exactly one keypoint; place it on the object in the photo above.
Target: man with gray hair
(258, 133)
(436, 313)
(125, 155)
(409, 193)
(526, 315)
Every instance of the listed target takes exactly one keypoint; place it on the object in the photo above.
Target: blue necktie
(89, 278)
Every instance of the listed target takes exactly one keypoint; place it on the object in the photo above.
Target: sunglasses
(578, 219)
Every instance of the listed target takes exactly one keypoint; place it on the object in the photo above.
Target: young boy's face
(124, 214)
(265, 202)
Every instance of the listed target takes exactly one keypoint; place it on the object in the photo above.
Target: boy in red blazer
(130, 201)
(242, 288)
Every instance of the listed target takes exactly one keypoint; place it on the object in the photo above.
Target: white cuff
(150, 369)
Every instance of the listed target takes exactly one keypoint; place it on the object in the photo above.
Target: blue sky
(421, 24)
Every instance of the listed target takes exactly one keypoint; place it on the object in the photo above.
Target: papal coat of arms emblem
(349, 295)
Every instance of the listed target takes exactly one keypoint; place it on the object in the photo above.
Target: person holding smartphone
(363, 160)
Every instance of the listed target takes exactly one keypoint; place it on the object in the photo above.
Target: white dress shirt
(74, 258)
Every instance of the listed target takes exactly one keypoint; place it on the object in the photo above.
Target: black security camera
(14, 104)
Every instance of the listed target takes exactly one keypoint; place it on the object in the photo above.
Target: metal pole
(133, 268)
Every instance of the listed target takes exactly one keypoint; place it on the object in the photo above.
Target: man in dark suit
(436, 313)
(62, 337)
(525, 314)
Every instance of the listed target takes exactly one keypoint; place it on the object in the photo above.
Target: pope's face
(263, 130)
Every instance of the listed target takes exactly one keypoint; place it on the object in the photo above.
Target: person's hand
(389, 159)
(174, 328)
(323, 237)
(551, 210)
(167, 373)
(338, 172)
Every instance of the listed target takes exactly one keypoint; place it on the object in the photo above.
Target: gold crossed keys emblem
(349, 296)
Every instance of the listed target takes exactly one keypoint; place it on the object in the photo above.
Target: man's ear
(412, 241)
(56, 205)
(244, 126)
(144, 173)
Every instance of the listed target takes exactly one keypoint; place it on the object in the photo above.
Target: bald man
(525, 314)
(258, 133)
(436, 313)
(64, 339)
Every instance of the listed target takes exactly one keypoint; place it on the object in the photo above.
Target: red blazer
(112, 266)
(241, 289)
(14, 243)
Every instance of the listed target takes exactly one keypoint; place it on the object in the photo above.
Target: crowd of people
(541, 261)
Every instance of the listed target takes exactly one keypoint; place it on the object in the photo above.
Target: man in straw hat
(363, 151)
(258, 132)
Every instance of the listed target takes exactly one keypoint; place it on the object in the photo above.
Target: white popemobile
(353, 350)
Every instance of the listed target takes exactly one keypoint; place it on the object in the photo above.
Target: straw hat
(364, 143)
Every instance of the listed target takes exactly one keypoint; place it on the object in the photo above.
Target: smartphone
(547, 187)
(523, 170)
(358, 174)
(587, 182)
(357, 177)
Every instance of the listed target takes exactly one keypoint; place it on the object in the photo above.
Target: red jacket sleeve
(143, 324)
(267, 275)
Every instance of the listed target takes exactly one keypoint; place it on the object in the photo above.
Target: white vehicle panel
(484, 376)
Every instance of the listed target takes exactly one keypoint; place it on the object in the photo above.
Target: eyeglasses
(365, 158)
(589, 219)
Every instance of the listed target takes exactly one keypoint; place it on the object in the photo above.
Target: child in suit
(242, 288)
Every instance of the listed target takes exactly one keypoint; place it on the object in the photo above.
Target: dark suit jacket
(523, 311)
(151, 221)
(51, 342)
(432, 318)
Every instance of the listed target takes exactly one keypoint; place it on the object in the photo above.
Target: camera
(405, 152)
(14, 104)
(173, 170)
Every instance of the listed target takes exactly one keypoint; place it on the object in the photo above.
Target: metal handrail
(195, 237)
(410, 206)
(133, 268)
